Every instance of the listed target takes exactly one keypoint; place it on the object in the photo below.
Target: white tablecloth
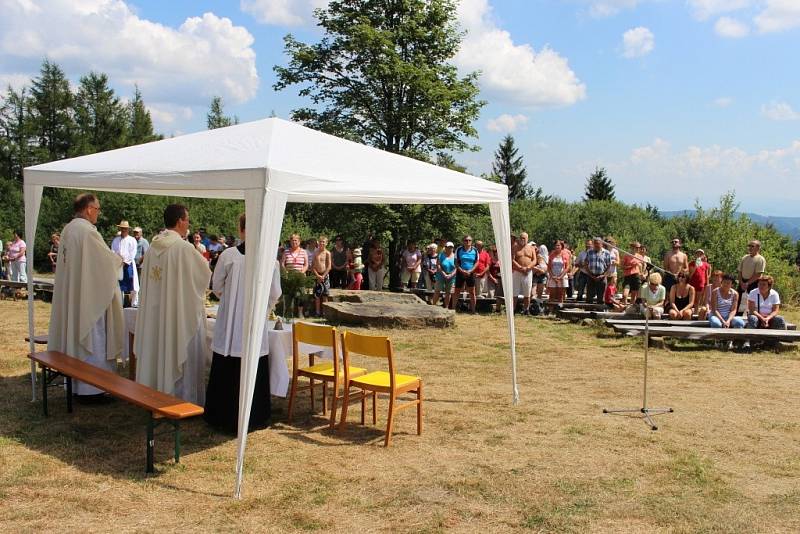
(280, 349)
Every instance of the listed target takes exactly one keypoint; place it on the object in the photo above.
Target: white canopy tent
(268, 163)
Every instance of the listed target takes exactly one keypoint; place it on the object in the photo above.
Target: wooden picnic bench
(160, 406)
(669, 322)
(714, 334)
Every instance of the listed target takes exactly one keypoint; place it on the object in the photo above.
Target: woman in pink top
(294, 257)
(16, 258)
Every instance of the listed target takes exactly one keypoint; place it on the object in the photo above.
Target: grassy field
(727, 460)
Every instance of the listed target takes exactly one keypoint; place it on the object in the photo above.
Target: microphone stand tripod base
(645, 414)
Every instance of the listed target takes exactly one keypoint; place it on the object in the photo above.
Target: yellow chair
(326, 372)
(379, 381)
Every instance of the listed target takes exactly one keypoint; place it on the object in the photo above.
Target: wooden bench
(669, 322)
(160, 406)
(714, 334)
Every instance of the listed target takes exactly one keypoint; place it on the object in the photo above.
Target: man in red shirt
(482, 270)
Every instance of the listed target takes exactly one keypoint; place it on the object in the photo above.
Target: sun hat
(137, 229)
(449, 244)
(123, 224)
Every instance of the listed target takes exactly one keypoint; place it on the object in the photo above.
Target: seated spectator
(763, 304)
(558, 267)
(681, 299)
(446, 275)
(705, 300)
(653, 296)
(430, 265)
(410, 265)
(610, 297)
(724, 301)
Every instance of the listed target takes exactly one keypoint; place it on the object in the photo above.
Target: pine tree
(51, 113)
(101, 118)
(216, 117)
(15, 133)
(140, 124)
(599, 186)
(508, 166)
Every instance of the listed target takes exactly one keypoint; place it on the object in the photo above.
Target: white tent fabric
(269, 163)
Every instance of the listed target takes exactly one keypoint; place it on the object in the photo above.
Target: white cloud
(779, 111)
(166, 116)
(205, 56)
(723, 102)
(282, 12)
(512, 72)
(15, 80)
(506, 123)
(728, 27)
(778, 15)
(637, 42)
(707, 172)
(705, 9)
(607, 8)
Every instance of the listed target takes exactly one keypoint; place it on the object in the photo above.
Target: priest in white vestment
(124, 245)
(222, 395)
(170, 337)
(86, 315)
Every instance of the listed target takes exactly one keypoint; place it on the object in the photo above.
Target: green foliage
(216, 117)
(382, 75)
(511, 171)
(52, 113)
(140, 124)
(599, 186)
(294, 287)
(100, 117)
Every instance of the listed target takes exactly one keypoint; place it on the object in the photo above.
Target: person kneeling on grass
(653, 295)
(724, 301)
(763, 304)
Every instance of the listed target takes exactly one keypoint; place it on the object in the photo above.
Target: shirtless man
(321, 267)
(523, 260)
(675, 261)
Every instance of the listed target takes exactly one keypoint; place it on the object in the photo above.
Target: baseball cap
(449, 244)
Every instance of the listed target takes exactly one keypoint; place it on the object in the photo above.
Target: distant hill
(786, 225)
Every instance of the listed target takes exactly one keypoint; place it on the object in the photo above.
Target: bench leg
(177, 442)
(150, 442)
(44, 390)
(69, 394)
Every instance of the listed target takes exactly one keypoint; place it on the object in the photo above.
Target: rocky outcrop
(365, 297)
(388, 314)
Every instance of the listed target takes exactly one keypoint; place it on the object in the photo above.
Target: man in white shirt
(124, 246)
(170, 340)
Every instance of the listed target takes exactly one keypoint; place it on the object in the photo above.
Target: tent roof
(307, 165)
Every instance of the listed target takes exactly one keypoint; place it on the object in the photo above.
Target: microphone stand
(646, 413)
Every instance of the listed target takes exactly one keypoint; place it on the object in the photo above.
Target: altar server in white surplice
(170, 338)
(222, 395)
(86, 316)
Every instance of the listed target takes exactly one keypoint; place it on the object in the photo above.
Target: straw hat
(124, 224)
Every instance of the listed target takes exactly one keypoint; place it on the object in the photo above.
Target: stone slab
(388, 314)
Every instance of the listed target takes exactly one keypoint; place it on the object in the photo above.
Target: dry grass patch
(727, 460)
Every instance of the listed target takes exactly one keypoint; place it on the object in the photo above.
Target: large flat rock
(388, 314)
(365, 297)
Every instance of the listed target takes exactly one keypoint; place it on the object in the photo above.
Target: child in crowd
(356, 270)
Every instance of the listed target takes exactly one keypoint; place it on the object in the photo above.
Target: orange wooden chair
(376, 382)
(328, 371)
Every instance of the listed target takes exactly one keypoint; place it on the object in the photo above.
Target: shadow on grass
(96, 438)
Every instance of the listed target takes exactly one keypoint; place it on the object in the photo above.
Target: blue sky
(679, 99)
